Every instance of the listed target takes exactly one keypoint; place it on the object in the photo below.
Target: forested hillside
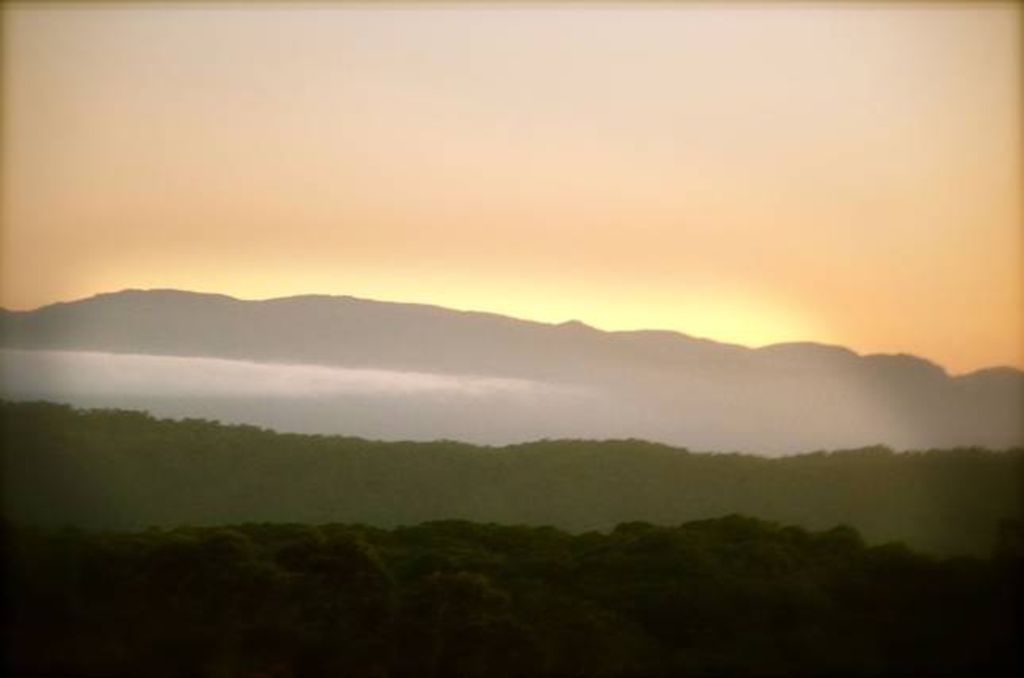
(726, 597)
(127, 470)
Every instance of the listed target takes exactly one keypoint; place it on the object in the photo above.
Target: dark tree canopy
(733, 596)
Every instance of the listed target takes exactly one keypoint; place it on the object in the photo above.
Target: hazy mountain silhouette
(659, 385)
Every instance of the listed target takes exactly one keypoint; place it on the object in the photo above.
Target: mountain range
(338, 364)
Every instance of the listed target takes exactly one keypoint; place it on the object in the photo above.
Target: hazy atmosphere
(511, 340)
(751, 173)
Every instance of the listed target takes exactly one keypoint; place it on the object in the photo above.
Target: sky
(755, 173)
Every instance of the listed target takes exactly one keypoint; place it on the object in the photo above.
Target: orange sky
(847, 173)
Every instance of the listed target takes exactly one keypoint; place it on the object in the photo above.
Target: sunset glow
(750, 173)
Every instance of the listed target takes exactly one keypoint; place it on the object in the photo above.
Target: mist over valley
(319, 364)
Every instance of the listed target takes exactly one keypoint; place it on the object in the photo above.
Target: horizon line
(475, 311)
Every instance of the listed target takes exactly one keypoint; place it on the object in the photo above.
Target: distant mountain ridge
(682, 388)
(143, 321)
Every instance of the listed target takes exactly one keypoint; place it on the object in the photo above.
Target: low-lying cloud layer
(72, 373)
(768, 412)
(373, 403)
